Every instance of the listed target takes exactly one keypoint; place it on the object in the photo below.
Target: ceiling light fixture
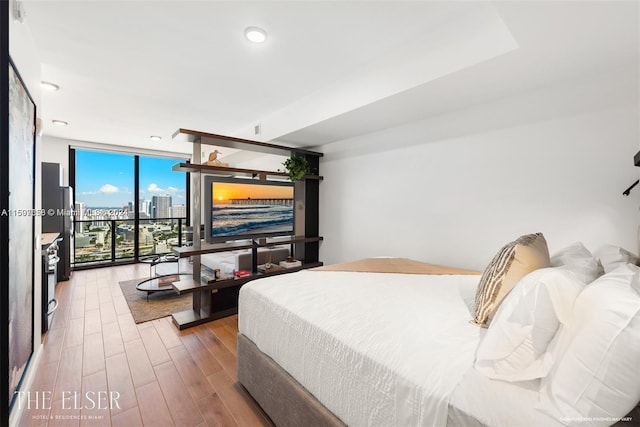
(59, 122)
(155, 137)
(49, 86)
(255, 34)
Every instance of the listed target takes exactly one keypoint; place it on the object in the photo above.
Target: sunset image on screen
(223, 192)
(252, 209)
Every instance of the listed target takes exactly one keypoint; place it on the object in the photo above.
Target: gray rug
(160, 304)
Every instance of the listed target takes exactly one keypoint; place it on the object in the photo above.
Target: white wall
(453, 189)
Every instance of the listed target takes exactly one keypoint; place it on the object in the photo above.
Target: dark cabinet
(57, 203)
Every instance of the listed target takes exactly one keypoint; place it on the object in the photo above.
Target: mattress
(381, 349)
(376, 349)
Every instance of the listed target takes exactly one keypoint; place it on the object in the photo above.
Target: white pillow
(612, 256)
(579, 260)
(515, 345)
(597, 376)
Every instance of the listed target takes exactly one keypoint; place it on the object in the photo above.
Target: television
(238, 209)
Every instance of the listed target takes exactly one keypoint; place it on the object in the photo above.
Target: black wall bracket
(628, 190)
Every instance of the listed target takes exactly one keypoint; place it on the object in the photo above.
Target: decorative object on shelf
(242, 273)
(213, 160)
(269, 268)
(297, 167)
(290, 263)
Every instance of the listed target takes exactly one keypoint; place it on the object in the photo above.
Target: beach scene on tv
(251, 209)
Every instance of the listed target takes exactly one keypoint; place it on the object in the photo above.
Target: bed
(388, 345)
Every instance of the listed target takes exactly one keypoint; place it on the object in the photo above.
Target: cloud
(108, 188)
(153, 188)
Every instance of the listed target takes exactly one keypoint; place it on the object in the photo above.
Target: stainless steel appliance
(50, 260)
(57, 201)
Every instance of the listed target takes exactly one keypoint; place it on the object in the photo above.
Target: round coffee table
(160, 283)
(160, 259)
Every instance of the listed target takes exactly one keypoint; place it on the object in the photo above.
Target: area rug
(160, 304)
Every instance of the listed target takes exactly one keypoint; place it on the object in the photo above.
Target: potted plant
(297, 166)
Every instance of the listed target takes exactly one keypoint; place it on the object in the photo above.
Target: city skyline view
(106, 180)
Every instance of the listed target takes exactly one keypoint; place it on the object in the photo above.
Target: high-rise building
(161, 206)
(144, 206)
(79, 208)
(178, 211)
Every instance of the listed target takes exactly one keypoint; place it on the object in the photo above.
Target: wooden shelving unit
(209, 248)
(241, 144)
(228, 171)
(219, 299)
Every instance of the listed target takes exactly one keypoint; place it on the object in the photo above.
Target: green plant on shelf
(297, 167)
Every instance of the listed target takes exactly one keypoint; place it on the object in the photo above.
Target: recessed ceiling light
(155, 137)
(59, 122)
(49, 86)
(255, 34)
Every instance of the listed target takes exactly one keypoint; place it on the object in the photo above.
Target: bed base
(283, 398)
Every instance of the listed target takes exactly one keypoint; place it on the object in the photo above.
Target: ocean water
(233, 220)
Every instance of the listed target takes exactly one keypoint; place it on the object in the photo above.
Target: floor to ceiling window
(127, 206)
(161, 205)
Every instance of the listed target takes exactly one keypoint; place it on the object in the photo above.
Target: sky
(106, 180)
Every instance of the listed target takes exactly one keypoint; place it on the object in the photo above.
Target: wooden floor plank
(120, 384)
(94, 409)
(183, 409)
(76, 311)
(128, 328)
(167, 332)
(75, 332)
(153, 407)
(139, 364)
(92, 321)
(218, 349)
(191, 374)
(63, 414)
(108, 313)
(128, 418)
(69, 372)
(214, 411)
(54, 344)
(112, 339)
(226, 336)
(120, 304)
(91, 301)
(93, 360)
(245, 411)
(203, 357)
(155, 348)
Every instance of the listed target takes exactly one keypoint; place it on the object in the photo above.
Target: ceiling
(328, 70)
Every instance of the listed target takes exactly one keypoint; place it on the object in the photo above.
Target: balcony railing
(112, 241)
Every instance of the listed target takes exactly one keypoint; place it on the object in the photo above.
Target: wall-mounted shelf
(209, 248)
(190, 286)
(228, 171)
(241, 144)
(222, 294)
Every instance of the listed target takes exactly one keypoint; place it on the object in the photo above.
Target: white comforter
(376, 349)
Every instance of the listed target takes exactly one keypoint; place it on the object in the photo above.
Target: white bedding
(384, 349)
(376, 349)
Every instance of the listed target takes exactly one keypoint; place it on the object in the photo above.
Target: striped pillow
(514, 261)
